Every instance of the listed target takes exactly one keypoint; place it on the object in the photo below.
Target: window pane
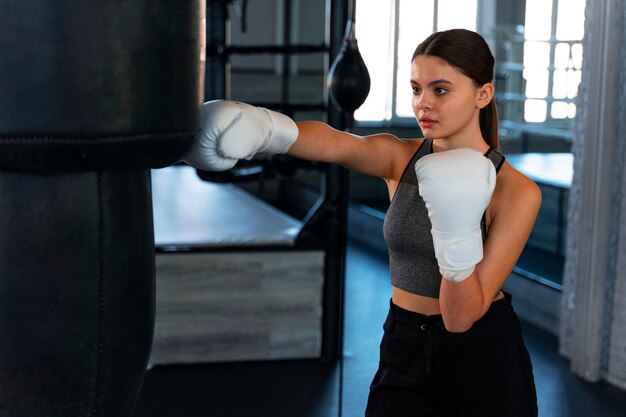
(559, 110)
(538, 20)
(536, 83)
(573, 81)
(535, 111)
(559, 84)
(453, 14)
(562, 55)
(376, 47)
(410, 34)
(536, 54)
(577, 55)
(570, 21)
(572, 110)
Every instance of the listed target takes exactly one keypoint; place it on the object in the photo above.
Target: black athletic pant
(426, 371)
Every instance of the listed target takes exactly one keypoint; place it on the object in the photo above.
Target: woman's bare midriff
(427, 306)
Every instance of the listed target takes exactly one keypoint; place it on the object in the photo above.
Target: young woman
(458, 220)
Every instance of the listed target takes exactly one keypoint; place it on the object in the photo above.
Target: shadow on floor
(279, 389)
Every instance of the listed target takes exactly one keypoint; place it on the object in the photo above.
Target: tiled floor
(311, 389)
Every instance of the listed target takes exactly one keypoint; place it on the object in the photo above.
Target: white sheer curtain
(593, 325)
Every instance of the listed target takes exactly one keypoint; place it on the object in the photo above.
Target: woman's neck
(469, 139)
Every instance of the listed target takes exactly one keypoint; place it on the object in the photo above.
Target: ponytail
(489, 124)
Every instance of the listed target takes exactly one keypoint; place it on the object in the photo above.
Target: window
(387, 47)
(552, 62)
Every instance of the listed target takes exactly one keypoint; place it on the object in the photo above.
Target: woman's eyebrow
(430, 84)
(440, 81)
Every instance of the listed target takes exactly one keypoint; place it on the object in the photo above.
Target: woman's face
(446, 103)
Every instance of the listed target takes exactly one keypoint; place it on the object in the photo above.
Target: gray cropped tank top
(412, 263)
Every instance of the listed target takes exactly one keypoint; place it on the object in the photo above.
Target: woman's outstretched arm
(371, 155)
(233, 130)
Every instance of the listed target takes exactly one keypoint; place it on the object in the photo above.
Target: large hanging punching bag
(93, 95)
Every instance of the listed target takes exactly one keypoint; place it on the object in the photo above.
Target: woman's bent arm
(464, 303)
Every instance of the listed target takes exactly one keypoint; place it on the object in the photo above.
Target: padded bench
(232, 282)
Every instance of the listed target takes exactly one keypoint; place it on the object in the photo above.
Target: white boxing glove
(232, 130)
(456, 186)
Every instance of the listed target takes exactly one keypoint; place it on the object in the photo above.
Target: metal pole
(337, 188)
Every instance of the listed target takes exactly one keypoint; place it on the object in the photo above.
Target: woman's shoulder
(404, 150)
(408, 144)
(514, 189)
(396, 144)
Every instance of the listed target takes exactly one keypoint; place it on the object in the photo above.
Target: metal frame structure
(328, 217)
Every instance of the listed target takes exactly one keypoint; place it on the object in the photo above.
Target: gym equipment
(348, 79)
(94, 94)
(468, 178)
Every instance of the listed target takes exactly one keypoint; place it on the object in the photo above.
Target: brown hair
(468, 52)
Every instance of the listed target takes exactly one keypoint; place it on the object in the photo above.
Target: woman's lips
(427, 122)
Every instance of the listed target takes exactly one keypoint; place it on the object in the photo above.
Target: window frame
(560, 127)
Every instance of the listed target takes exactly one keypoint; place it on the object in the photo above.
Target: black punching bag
(348, 78)
(93, 95)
